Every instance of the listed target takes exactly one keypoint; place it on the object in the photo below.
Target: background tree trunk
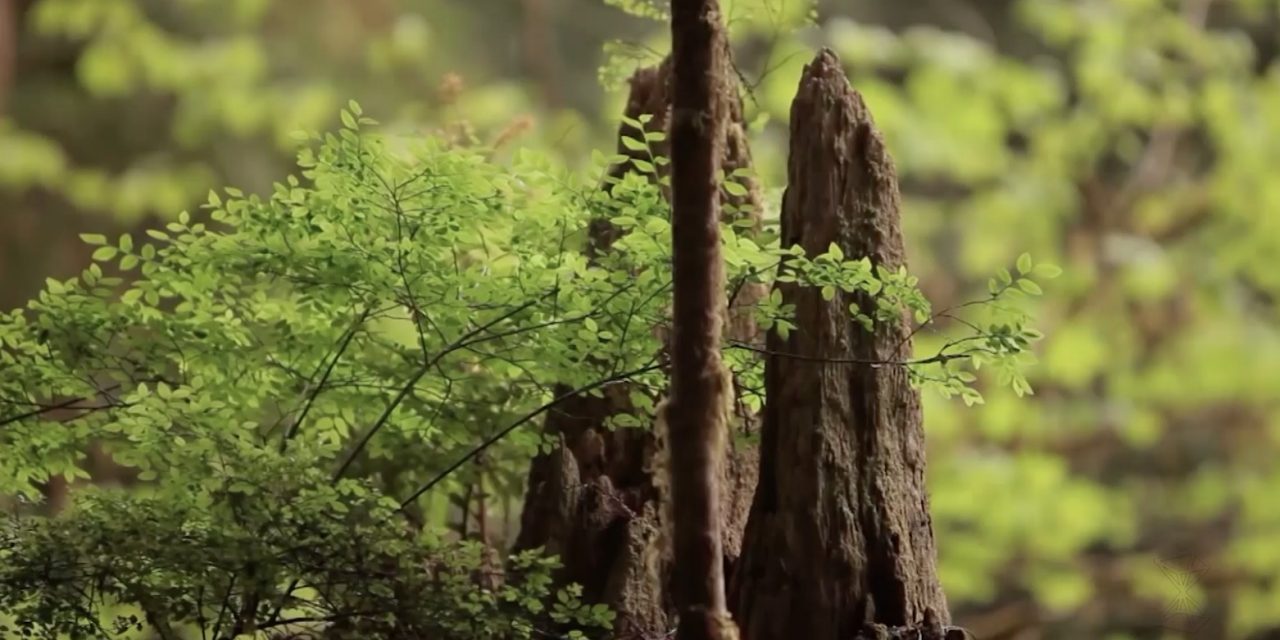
(839, 541)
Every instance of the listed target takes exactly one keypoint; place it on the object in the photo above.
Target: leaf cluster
(273, 549)
(399, 311)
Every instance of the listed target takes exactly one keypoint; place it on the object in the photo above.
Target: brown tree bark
(697, 413)
(839, 543)
(539, 40)
(595, 500)
(8, 48)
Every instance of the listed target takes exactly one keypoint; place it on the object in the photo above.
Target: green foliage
(658, 10)
(400, 302)
(775, 21)
(1154, 411)
(168, 99)
(265, 543)
(1132, 152)
(1127, 140)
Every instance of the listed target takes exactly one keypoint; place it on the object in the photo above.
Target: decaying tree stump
(593, 501)
(839, 543)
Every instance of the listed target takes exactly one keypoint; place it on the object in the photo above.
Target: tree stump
(593, 501)
(839, 542)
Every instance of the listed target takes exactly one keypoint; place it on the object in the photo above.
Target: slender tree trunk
(8, 48)
(698, 410)
(594, 501)
(540, 50)
(839, 543)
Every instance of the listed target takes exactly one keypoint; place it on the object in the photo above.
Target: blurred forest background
(1133, 142)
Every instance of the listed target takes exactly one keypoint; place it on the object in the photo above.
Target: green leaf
(102, 254)
(93, 239)
(1046, 270)
(654, 226)
(1024, 263)
(835, 252)
(971, 397)
(633, 144)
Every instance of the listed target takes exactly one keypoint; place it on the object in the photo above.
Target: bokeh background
(1136, 143)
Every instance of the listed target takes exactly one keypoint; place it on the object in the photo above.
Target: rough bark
(697, 413)
(594, 501)
(839, 543)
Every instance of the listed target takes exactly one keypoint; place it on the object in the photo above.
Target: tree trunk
(594, 501)
(697, 414)
(839, 542)
(8, 49)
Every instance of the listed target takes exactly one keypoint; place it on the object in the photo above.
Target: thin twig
(324, 379)
(934, 359)
(460, 343)
(494, 439)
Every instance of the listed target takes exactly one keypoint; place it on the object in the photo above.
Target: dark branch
(494, 439)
